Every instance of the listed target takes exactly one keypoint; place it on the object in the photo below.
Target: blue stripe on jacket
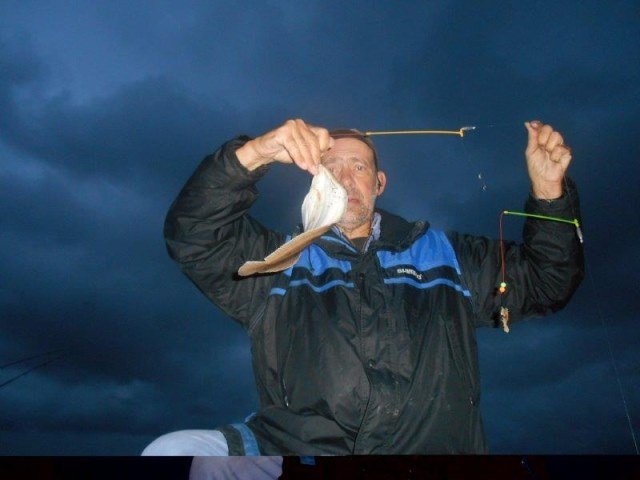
(316, 262)
(431, 250)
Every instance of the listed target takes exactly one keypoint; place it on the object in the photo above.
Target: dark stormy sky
(107, 107)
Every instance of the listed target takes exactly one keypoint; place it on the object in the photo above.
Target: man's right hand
(292, 142)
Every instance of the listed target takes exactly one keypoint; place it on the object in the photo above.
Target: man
(367, 344)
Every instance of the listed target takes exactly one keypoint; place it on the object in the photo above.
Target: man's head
(353, 161)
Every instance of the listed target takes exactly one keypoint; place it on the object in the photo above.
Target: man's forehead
(348, 149)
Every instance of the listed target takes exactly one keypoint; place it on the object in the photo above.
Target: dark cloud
(103, 120)
(143, 134)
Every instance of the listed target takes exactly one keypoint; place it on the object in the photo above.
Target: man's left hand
(547, 160)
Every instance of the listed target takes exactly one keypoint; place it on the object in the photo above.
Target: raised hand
(547, 159)
(293, 142)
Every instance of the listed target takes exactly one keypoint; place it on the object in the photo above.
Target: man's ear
(382, 182)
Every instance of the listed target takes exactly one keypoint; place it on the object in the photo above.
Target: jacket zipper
(458, 361)
(281, 371)
(366, 407)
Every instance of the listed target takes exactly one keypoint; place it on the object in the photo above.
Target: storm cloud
(107, 109)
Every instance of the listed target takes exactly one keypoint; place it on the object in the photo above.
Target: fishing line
(460, 133)
(604, 324)
(504, 312)
(605, 327)
(474, 167)
(496, 125)
(35, 367)
(22, 360)
(613, 362)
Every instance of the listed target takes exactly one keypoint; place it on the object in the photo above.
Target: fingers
(324, 139)
(549, 141)
(556, 147)
(303, 147)
(544, 133)
(532, 130)
(554, 140)
(304, 144)
(560, 153)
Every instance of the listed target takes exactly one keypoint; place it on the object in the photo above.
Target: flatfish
(322, 207)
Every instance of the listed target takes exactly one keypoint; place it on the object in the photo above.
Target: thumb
(532, 130)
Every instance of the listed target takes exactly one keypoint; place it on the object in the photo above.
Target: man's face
(351, 163)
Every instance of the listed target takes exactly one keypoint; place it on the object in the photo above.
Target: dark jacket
(370, 353)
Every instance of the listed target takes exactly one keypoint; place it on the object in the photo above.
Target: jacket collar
(396, 234)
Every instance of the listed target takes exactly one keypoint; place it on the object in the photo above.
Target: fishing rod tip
(466, 129)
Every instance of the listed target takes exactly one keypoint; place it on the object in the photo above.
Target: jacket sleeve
(210, 235)
(541, 274)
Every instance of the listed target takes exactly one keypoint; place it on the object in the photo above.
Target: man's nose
(345, 178)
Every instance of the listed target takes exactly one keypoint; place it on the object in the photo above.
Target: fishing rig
(503, 286)
(460, 132)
